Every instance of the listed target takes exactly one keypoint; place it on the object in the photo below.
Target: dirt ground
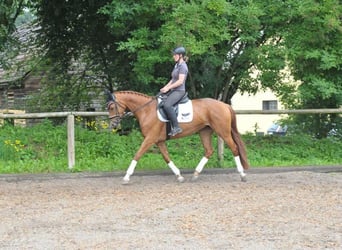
(274, 209)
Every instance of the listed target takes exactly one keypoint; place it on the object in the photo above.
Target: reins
(144, 105)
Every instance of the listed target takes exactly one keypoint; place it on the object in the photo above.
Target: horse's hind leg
(163, 149)
(233, 147)
(206, 135)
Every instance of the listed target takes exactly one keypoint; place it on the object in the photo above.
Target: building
(257, 124)
(18, 82)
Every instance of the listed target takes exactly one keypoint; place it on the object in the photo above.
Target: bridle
(116, 108)
(125, 114)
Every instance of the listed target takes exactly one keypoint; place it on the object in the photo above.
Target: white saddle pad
(185, 113)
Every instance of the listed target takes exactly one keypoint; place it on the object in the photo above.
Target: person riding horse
(175, 88)
(210, 115)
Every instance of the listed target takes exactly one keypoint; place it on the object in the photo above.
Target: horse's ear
(110, 96)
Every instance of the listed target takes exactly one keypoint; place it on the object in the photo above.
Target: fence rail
(49, 115)
(242, 112)
(287, 111)
(71, 121)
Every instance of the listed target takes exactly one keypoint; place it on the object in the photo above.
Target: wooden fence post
(71, 140)
(9, 121)
(220, 150)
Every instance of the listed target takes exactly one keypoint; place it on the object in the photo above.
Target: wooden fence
(71, 121)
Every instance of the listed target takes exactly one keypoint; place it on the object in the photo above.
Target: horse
(209, 116)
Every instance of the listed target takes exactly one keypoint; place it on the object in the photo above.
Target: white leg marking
(130, 170)
(174, 169)
(239, 166)
(201, 164)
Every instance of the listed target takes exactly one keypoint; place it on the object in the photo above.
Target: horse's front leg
(146, 144)
(163, 149)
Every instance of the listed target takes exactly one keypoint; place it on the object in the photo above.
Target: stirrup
(175, 131)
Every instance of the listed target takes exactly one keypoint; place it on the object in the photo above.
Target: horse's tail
(237, 139)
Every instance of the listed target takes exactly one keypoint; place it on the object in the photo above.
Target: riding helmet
(179, 51)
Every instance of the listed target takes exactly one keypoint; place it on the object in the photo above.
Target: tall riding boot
(175, 129)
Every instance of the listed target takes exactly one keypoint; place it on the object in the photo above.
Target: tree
(228, 41)
(314, 42)
(233, 45)
(80, 54)
(225, 42)
(9, 12)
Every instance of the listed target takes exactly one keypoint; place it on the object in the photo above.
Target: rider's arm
(171, 85)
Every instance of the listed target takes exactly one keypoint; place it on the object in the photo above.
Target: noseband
(117, 114)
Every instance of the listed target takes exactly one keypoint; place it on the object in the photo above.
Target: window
(270, 105)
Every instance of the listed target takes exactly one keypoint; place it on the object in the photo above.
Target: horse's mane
(130, 92)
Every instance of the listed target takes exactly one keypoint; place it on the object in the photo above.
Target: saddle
(183, 109)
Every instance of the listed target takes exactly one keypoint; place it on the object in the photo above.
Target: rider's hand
(164, 90)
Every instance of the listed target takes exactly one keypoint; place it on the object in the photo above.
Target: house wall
(16, 97)
(20, 122)
(248, 123)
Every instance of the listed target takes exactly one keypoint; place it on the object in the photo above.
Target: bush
(43, 148)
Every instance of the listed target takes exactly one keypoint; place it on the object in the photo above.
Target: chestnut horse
(209, 115)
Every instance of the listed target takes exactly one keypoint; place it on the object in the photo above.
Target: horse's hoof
(180, 179)
(244, 178)
(194, 177)
(125, 181)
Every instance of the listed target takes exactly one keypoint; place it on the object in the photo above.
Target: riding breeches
(172, 99)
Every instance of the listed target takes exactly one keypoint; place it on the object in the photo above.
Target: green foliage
(9, 11)
(232, 45)
(128, 44)
(294, 150)
(210, 30)
(80, 54)
(43, 149)
(314, 41)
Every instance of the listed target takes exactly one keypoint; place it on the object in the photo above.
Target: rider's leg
(171, 115)
(171, 100)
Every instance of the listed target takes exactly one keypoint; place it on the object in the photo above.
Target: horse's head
(116, 110)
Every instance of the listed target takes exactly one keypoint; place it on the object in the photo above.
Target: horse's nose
(114, 124)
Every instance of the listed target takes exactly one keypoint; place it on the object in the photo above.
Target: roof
(18, 67)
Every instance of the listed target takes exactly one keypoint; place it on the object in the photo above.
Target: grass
(43, 149)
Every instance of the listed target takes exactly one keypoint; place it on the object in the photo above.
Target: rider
(175, 88)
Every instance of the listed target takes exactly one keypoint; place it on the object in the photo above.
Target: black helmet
(179, 51)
